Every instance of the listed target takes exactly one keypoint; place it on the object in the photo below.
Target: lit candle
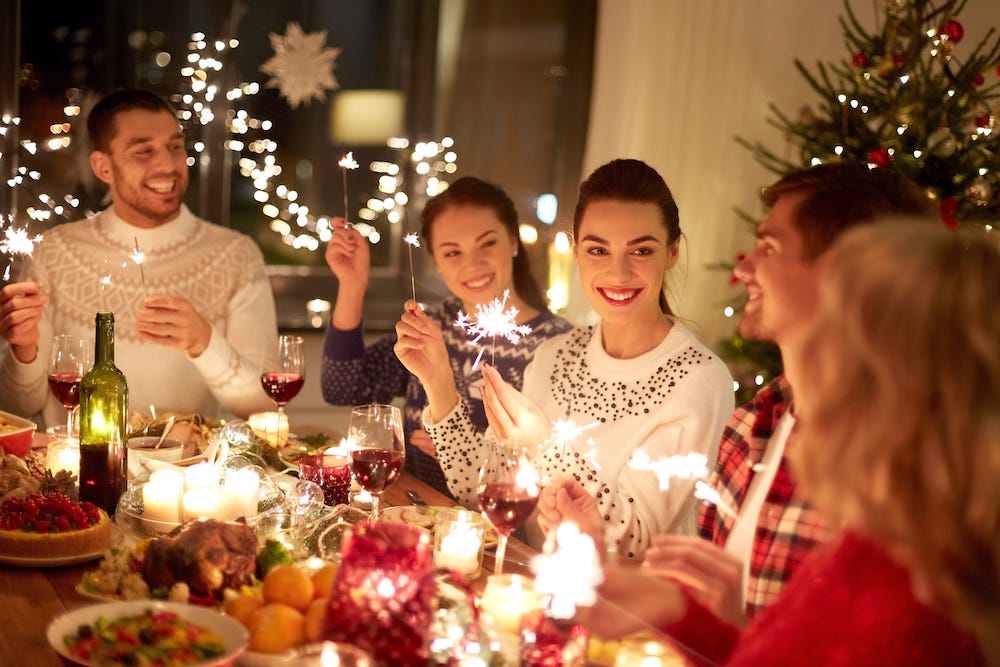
(201, 475)
(240, 491)
(202, 502)
(161, 496)
(270, 426)
(459, 541)
(63, 455)
(507, 598)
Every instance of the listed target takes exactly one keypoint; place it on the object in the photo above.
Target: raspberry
(61, 524)
(42, 526)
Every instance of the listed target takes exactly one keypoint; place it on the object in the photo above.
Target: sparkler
(139, 258)
(347, 162)
(704, 491)
(681, 466)
(493, 320)
(16, 242)
(412, 241)
(570, 573)
(564, 430)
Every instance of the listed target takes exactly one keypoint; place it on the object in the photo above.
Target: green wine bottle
(103, 414)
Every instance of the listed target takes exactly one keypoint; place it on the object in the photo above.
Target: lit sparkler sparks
(704, 491)
(139, 257)
(412, 241)
(681, 466)
(570, 573)
(16, 242)
(565, 430)
(347, 162)
(493, 320)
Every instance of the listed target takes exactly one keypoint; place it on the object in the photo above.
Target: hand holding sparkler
(420, 348)
(711, 575)
(173, 321)
(510, 413)
(21, 307)
(565, 499)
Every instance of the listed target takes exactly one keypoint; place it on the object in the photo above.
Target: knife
(415, 498)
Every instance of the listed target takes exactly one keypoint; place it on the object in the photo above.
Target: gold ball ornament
(979, 192)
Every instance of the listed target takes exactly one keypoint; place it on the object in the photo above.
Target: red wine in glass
(69, 359)
(376, 469)
(282, 387)
(507, 506)
(66, 388)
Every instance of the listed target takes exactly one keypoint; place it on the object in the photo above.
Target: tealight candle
(201, 475)
(201, 503)
(508, 597)
(63, 455)
(458, 541)
(240, 491)
(161, 496)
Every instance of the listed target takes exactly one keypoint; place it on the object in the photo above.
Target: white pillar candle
(201, 475)
(240, 491)
(161, 496)
(508, 597)
(201, 503)
(459, 541)
(63, 455)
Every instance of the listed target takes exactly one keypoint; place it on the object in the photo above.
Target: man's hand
(21, 307)
(713, 576)
(172, 321)
(565, 499)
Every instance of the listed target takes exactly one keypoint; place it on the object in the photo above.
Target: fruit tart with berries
(51, 527)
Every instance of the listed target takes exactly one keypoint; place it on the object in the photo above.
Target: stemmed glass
(508, 491)
(282, 377)
(68, 361)
(378, 449)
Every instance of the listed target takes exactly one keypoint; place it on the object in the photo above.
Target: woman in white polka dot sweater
(640, 374)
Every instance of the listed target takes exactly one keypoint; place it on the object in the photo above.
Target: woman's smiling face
(622, 254)
(474, 253)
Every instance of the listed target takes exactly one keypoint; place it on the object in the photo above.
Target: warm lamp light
(366, 117)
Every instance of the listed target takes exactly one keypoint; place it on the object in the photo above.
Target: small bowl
(144, 448)
(234, 635)
(17, 440)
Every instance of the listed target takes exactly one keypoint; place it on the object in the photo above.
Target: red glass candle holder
(332, 473)
(550, 642)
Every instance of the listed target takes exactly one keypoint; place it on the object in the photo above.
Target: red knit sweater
(849, 605)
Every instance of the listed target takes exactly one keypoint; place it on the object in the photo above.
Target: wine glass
(508, 491)
(283, 377)
(68, 362)
(378, 449)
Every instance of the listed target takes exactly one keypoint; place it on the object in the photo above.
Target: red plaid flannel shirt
(788, 528)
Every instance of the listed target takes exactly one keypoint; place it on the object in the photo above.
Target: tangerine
(242, 606)
(276, 628)
(315, 622)
(323, 580)
(288, 584)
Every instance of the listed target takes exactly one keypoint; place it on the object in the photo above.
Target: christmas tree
(909, 97)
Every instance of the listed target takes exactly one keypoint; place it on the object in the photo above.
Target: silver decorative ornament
(941, 142)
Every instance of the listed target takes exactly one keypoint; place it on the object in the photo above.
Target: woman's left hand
(512, 416)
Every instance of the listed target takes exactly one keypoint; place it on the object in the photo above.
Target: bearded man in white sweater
(193, 323)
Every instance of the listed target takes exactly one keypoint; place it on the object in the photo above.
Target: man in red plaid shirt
(762, 528)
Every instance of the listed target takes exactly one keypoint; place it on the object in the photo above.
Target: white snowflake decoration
(301, 67)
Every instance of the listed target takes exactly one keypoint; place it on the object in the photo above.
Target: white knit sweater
(85, 266)
(673, 400)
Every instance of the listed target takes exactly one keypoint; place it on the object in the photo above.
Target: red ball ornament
(953, 30)
(978, 81)
(897, 58)
(880, 157)
(948, 208)
(983, 121)
(859, 60)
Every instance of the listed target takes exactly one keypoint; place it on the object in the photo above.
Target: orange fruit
(276, 628)
(289, 585)
(323, 580)
(316, 619)
(242, 606)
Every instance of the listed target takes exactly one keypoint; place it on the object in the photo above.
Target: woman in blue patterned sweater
(471, 232)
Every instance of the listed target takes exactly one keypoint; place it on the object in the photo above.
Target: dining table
(31, 597)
